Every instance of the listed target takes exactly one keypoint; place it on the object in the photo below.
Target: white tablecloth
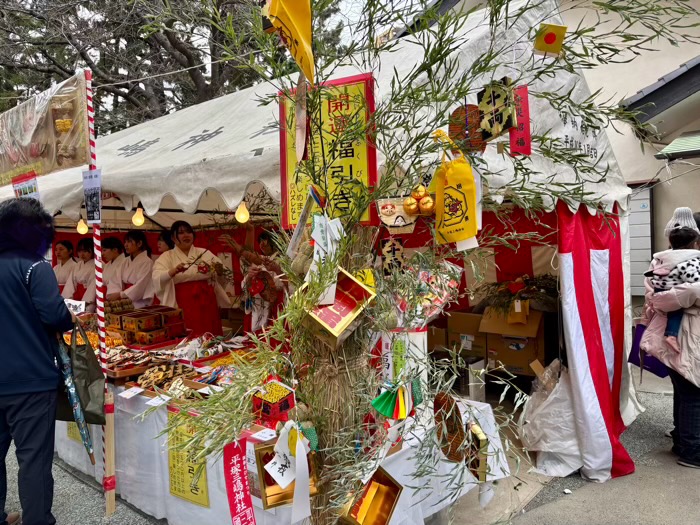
(143, 478)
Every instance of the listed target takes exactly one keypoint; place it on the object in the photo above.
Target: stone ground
(659, 493)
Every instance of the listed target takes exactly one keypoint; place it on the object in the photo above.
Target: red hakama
(197, 301)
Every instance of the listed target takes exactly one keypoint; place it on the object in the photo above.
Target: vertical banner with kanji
(182, 467)
(521, 135)
(237, 486)
(344, 162)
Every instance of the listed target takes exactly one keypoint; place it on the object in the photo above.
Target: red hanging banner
(520, 135)
(237, 487)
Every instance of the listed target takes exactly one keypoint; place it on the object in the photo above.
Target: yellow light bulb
(242, 215)
(138, 218)
(82, 227)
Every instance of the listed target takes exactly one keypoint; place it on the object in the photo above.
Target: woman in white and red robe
(81, 287)
(189, 278)
(113, 258)
(66, 265)
(134, 277)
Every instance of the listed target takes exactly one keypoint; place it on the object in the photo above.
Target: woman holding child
(672, 318)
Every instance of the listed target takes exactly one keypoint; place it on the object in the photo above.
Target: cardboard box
(126, 337)
(168, 315)
(176, 330)
(377, 507)
(463, 331)
(515, 345)
(471, 383)
(437, 338)
(333, 323)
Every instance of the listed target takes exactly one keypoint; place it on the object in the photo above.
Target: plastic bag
(547, 424)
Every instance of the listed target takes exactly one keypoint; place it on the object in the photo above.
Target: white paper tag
(468, 244)
(92, 190)
(203, 369)
(264, 435)
(282, 468)
(518, 307)
(158, 401)
(76, 307)
(132, 392)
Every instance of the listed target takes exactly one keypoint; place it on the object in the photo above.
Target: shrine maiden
(134, 277)
(66, 264)
(189, 278)
(113, 258)
(82, 285)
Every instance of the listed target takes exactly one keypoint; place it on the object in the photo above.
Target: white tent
(207, 156)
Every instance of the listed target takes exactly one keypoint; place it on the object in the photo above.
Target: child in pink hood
(679, 265)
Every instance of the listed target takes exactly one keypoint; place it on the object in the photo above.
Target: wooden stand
(109, 459)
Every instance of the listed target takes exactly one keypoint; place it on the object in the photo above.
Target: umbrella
(74, 400)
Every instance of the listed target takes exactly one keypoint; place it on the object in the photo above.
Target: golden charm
(410, 206)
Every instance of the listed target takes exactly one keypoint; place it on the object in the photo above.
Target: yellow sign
(292, 18)
(73, 432)
(455, 202)
(350, 164)
(48, 132)
(550, 39)
(183, 467)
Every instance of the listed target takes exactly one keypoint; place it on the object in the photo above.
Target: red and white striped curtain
(593, 305)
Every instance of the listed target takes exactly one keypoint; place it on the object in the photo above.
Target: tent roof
(211, 154)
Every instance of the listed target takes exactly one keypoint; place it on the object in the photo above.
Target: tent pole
(108, 450)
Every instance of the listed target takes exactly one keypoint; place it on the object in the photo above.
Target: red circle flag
(550, 38)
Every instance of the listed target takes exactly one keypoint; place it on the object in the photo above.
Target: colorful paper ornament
(464, 130)
(292, 19)
(550, 39)
(497, 106)
(521, 135)
(392, 254)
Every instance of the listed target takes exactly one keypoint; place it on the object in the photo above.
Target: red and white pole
(108, 451)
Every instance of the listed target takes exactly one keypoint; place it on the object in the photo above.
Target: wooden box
(153, 337)
(274, 402)
(335, 322)
(127, 338)
(377, 502)
(168, 315)
(271, 494)
(175, 330)
(141, 322)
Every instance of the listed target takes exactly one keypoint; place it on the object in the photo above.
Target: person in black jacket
(32, 313)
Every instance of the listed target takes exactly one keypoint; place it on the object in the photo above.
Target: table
(143, 476)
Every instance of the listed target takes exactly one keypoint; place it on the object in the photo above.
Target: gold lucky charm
(427, 205)
(419, 192)
(410, 206)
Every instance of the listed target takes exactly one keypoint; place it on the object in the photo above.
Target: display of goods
(175, 330)
(163, 375)
(94, 340)
(121, 358)
(128, 338)
(141, 322)
(274, 400)
(114, 320)
(119, 306)
(178, 389)
(153, 337)
(168, 315)
(219, 375)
